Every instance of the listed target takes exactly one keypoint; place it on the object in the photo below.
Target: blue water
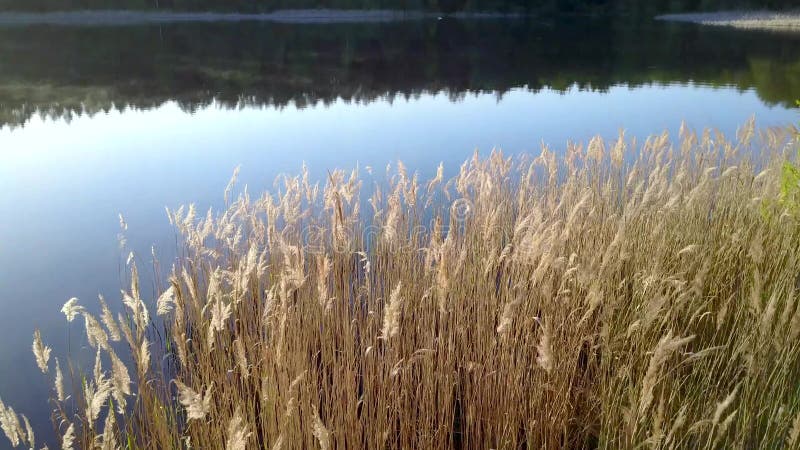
(64, 178)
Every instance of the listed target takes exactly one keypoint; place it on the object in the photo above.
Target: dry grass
(623, 296)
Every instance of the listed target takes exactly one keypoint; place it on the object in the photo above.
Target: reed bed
(622, 295)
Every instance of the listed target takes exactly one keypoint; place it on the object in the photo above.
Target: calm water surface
(95, 121)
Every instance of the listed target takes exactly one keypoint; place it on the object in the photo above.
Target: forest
(631, 7)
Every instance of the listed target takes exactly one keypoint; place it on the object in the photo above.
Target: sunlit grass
(622, 295)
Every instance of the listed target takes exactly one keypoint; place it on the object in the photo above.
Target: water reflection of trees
(64, 72)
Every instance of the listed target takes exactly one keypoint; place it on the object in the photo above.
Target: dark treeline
(579, 6)
(61, 72)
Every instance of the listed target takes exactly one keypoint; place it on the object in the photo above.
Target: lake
(97, 121)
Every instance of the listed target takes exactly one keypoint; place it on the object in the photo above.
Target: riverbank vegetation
(619, 295)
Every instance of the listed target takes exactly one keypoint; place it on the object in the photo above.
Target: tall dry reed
(625, 295)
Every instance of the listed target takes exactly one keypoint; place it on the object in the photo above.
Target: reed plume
(40, 351)
(624, 295)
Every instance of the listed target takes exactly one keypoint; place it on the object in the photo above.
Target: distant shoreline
(299, 16)
(749, 20)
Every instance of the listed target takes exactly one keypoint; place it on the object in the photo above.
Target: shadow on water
(66, 71)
